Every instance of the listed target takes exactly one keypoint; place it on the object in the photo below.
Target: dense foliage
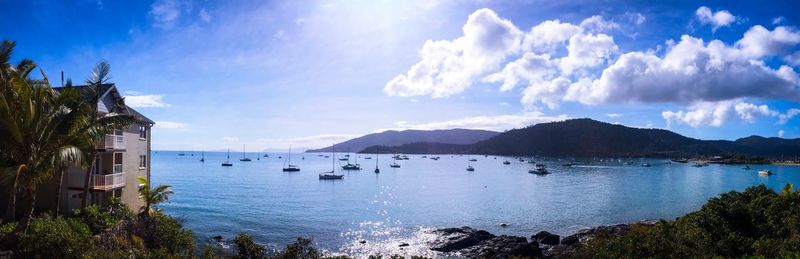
(756, 222)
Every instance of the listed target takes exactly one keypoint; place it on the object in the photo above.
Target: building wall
(135, 147)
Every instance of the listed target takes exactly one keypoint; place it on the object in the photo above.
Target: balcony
(109, 181)
(112, 142)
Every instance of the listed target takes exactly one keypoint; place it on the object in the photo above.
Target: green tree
(152, 197)
(43, 131)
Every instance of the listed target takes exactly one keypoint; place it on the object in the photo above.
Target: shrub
(248, 248)
(55, 238)
(168, 234)
(757, 222)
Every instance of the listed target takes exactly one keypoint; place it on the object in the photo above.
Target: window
(142, 161)
(142, 132)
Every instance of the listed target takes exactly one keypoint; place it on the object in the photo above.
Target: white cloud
(587, 50)
(759, 42)
(496, 122)
(165, 13)
(558, 62)
(449, 67)
(780, 133)
(636, 18)
(204, 15)
(748, 111)
(548, 35)
(700, 114)
(691, 71)
(138, 100)
(531, 67)
(785, 117)
(778, 20)
(716, 19)
(598, 24)
(793, 59)
(614, 115)
(171, 125)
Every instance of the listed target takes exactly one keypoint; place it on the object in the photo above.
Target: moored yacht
(287, 164)
(764, 172)
(228, 160)
(331, 175)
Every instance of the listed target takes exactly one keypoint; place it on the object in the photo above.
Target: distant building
(122, 156)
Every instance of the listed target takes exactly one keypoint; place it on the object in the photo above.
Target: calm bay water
(397, 204)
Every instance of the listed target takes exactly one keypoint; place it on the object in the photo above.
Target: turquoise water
(399, 203)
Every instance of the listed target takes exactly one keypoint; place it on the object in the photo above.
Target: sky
(269, 74)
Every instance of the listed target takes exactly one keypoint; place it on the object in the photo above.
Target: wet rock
(451, 239)
(404, 244)
(504, 224)
(362, 241)
(546, 238)
(473, 243)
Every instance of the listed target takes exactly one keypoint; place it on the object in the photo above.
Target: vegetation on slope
(757, 222)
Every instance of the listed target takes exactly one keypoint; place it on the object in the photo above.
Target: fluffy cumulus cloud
(717, 113)
(559, 62)
(715, 19)
(449, 67)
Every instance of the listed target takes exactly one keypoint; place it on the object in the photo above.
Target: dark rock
(403, 244)
(473, 243)
(362, 241)
(546, 238)
(452, 239)
(504, 224)
(217, 238)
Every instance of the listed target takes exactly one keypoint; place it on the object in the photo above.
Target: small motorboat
(350, 166)
(506, 162)
(646, 165)
(473, 160)
(470, 168)
(394, 165)
(539, 171)
(764, 172)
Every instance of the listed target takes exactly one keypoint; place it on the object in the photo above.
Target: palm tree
(152, 197)
(42, 131)
(99, 77)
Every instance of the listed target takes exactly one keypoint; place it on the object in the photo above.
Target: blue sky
(217, 74)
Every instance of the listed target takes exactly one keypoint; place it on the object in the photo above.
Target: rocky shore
(472, 243)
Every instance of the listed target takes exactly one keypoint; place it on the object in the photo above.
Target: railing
(118, 168)
(109, 181)
(115, 142)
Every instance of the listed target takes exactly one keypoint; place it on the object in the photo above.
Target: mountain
(590, 138)
(418, 148)
(396, 138)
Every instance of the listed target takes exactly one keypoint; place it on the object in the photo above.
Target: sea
(367, 213)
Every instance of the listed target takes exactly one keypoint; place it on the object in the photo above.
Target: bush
(169, 235)
(248, 248)
(55, 238)
(757, 222)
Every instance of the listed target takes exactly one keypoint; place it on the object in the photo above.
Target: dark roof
(105, 88)
(139, 116)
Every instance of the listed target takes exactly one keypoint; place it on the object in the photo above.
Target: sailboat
(377, 171)
(350, 166)
(228, 161)
(332, 174)
(244, 158)
(395, 164)
(203, 156)
(469, 167)
(288, 161)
